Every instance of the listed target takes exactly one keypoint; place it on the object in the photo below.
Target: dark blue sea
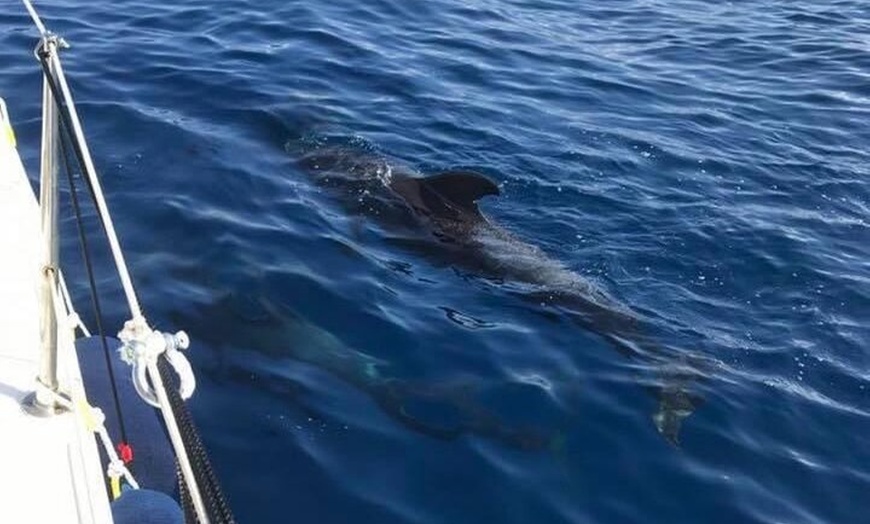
(704, 165)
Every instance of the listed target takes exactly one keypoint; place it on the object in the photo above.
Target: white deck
(49, 467)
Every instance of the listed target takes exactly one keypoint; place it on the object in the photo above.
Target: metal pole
(48, 205)
(42, 401)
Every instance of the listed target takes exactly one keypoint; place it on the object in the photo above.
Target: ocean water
(703, 165)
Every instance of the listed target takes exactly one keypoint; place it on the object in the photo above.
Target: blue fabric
(153, 459)
(144, 506)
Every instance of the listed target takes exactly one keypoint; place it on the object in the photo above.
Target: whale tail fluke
(677, 393)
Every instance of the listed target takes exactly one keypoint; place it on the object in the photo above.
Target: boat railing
(146, 349)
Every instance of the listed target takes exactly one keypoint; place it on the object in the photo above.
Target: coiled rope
(206, 479)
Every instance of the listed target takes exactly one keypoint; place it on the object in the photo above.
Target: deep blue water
(704, 164)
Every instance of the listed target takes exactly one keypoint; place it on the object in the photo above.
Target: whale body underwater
(441, 213)
(244, 324)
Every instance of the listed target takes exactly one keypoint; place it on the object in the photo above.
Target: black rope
(95, 298)
(215, 502)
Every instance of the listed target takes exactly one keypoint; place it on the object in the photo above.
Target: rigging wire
(35, 17)
(95, 300)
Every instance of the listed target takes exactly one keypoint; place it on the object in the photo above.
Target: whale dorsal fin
(459, 189)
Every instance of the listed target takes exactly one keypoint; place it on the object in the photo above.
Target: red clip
(126, 452)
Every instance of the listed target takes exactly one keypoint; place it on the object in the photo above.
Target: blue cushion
(143, 506)
(153, 463)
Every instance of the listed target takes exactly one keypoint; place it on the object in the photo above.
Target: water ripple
(704, 164)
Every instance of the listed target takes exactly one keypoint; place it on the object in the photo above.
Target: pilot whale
(440, 214)
(235, 321)
(444, 205)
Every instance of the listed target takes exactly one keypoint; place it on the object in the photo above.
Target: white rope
(94, 417)
(142, 347)
(116, 467)
(73, 316)
(35, 17)
(177, 442)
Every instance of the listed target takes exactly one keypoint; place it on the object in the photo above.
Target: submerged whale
(439, 214)
(235, 323)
